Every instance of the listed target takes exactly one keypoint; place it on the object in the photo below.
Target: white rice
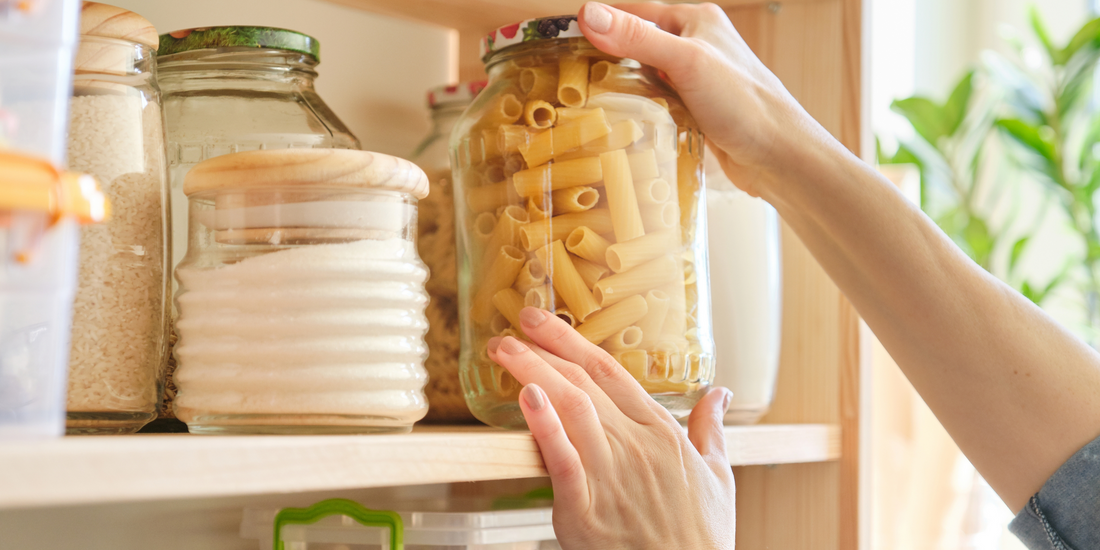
(119, 319)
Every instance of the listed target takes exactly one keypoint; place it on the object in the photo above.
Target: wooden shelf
(96, 470)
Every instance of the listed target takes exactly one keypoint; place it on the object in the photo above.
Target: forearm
(1016, 391)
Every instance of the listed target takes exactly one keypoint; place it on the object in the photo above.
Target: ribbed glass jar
(301, 297)
(579, 190)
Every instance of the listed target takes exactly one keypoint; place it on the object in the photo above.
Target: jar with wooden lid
(301, 297)
(579, 190)
(436, 236)
(120, 314)
(238, 88)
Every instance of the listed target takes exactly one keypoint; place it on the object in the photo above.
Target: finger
(558, 454)
(705, 426)
(558, 338)
(574, 406)
(670, 18)
(623, 34)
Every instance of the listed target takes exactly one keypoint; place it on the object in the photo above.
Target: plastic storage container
(40, 210)
(433, 525)
(120, 314)
(232, 89)
(579, 190)
(746, 295)
(437, 248)
(301, 298)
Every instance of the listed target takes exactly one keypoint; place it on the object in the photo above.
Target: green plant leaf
(926, 117)
(1017, 251)
(954, 111)
(1087, 35)
(1029, 136)
(977, 236)
(1041, 33)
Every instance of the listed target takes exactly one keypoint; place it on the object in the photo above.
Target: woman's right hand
(751, 122)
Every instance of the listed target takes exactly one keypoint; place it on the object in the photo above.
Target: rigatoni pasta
(587, 205)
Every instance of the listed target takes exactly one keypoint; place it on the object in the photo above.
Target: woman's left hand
(625, 474)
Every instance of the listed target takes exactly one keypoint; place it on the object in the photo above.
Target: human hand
(625, 474)
(750, 120)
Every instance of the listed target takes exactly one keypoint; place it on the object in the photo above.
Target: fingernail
(532, 317)
(494, 343)
(532, 395)
(597, 17)
(726, 400)
(512, 346)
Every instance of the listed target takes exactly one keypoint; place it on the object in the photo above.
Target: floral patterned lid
(234, 36)
(463, 93)
(542, 28)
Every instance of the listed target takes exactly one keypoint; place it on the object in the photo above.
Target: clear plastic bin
(441, 524)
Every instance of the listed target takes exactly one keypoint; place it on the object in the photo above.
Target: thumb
(622, 34)
(705, 424)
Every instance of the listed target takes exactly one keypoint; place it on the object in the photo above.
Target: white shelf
(101, 469)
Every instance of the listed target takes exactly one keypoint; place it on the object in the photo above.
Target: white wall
(374, 69)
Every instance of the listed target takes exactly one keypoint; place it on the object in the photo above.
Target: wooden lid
(112, 22)
(332, 168)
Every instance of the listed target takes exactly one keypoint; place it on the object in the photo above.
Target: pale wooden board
(93, 470)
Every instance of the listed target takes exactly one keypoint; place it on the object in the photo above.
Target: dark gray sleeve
(1065, 513)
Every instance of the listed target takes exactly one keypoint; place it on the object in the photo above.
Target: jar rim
(552, 28)
(239, 36)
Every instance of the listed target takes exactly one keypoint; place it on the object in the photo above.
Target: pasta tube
(517, 334)
(643, 165)
(539, 114)
(603, 72)
(626, 339)
(590, 272)
(539, 83)
(558, 175)
(569, 114)
(654, 319)
(506, 231)
(535, 235)
(573, 81)
(623, 256)
(500, 275)
(483, 226)
(488, 198)
(654, 191)
(530, 276)
(626, 218)
(508, 302)
(536, 211)
(567, 281)
(564, 314)
(548, 145)
(641, 279)
(607, 322)
(656, 217)
(498, 324)
(675, 325)
(574, 199)
(543, 297)
(505, 109)
(587, 244)
(623, 134)
(635, 361)
(512, 137)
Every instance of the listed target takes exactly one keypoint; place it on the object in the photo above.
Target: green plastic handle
(341, 507)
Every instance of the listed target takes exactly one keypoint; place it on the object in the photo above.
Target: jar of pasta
(578, 189)
(120, 314)
(301, 297)
(436, 236)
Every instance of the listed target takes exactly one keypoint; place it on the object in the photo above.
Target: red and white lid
(463, 93)
(541, 28)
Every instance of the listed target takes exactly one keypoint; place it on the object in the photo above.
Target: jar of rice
(120, 313)
(301, 297)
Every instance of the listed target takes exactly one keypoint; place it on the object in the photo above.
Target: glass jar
(301, 297)
(746, 295)
(120, 314)
(579, 190)
(231, 89)
(436, 241)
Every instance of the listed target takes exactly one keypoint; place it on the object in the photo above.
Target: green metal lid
(235, 36)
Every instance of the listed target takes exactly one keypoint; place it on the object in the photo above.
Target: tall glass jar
(436, 241)
(120, 314)
(579, 190)
(301, 298)
(232, 89)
